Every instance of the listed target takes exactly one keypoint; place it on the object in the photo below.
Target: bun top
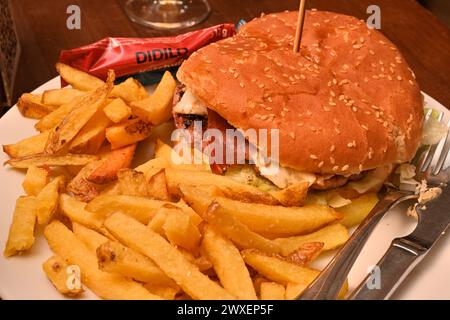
(347, 102)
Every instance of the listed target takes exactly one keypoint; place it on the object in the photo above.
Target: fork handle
(331, 280)
(400, 259)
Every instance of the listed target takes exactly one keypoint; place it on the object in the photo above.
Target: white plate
(21, 277)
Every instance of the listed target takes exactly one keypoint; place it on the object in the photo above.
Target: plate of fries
(94, 206)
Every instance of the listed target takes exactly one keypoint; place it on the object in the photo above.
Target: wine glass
(167, 14)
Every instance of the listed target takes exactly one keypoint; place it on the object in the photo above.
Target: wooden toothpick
(299, 30)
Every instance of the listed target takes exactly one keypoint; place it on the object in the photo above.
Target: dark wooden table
(41, 26)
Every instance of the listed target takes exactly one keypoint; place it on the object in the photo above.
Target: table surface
(423, 40)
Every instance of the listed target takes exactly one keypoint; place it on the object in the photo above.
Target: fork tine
(420, 156)
(431, 151)
(444, 153)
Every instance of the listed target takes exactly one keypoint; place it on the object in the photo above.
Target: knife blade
(405, 253)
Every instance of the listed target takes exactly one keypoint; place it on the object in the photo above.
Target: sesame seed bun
(347, 103)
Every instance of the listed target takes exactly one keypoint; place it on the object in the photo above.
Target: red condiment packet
(127, 56)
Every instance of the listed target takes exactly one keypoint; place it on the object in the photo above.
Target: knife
(405, 253)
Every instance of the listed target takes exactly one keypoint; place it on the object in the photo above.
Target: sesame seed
(241, 85)
(365, 127)
(335, 168)
(283, 114)
(375, 77)
(331, 103)
(411, 82)
(335, 121)
(264, 117)
(286, 109)
(367, 112)
(332, 160)
(345, 168)
(302, 76)
(355, 109)
(320, 165)
(399, 78)
(292, 135)
(332, 93)
(389, 78)
(332, 148)
(372, 52)
(266, 69)
(337, 130)
(357, 46)
(261, 85)
(236, 75)
(300, 124)
(313, 156)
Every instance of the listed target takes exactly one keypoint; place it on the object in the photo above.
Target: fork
(331, 280)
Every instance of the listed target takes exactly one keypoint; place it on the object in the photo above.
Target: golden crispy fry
(47, 200)
(128, 132)
(286, 221)
(332, 236)
(140, 238)
(140, 208)
(305, 253)
(91, 137)
(237, 232)
(132, 183)
(272, 291)
(52, 160)
(156, 186)
(292, 196)
(152, 167)
(157, 108)
(35, 180)
(115, 257)
(112, 163)
(111, 189)
(278, 270)
(167, 293)
(56, 270)
(228, 264)
(31, 106)
(28, 146)
(117, 110)
(76, 119)
(175, 160)
(355, 212)
(179, 229)
(21, 230)
(78, 79)
(108, 286)
(293, 290)
(227, 187)
(195, 218)
(57, 97)
(129, 90)
(80, 187)
(92, 239)
(52, 119)
(76, 212)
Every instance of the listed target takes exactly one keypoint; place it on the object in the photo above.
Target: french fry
(272, 291)
(228, 264)
(355, 212)
(21, 230)
(167, 293)
(157, 222)
(52, 119)
(332, 236)
(80, 187)
(78, 79)
(237, 232)
(156, 186)
(140, 238)
(92, 135)
(115, 257)
(279, 270)
(56, 270)
(293, 290)
(179, 229)
(108, 286)
(92, 239)
(31, 106)
(52, 160)
(27, 147)
(35, 180)
(140, 208)
(47, 200)
(132, 183)
(113, 162)
(111, 189)
(286, 221)
(195, 218)
(117, 110)
(157, 108)
(292, 196)
(76, 119)
(228, 187)
(129, 90)
(128, 132)
(57, 97)
(76, 212)
(152, 167)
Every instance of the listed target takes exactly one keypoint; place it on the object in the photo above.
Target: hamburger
(347, 106)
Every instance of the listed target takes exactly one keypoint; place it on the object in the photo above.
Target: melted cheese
(190, 104)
